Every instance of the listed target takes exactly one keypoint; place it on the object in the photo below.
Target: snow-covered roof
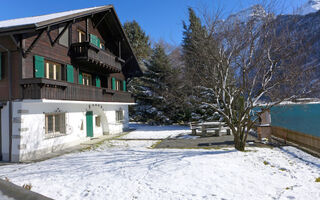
(37, 20)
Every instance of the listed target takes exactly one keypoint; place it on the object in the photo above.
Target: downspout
(10, 101)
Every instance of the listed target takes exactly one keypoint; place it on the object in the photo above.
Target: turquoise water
(304, 118)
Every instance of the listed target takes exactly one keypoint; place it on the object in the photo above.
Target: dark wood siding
(60, 54)
(37, 88)
(4, 82)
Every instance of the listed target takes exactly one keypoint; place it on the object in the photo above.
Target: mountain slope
(310, 7)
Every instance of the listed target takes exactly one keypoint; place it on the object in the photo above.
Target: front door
(89, 119)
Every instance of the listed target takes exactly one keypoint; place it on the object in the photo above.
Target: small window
(64, 39)
(55, 124)
(102, 46)
(81, 36)
(81, 126)
(53, 70)
(86, 79)
(97, 121)
(118, 86)
(119, 116)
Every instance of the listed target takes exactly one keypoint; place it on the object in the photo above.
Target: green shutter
(98, 81)
(98, 42)
(39, 66)
(80, 78)
(0, 66)
(113, 84)
(124, 84)
(94, 40)
(70, 77)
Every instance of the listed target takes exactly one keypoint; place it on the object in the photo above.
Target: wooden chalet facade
(62, 77)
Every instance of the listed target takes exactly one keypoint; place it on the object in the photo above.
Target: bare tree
(248, 62)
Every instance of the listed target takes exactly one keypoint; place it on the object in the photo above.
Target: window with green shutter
(0, 66)
(94, 40)
(38, 66)
(113, 83)
(80, 78)
(124, 85)
(70, 77)
(98, 81)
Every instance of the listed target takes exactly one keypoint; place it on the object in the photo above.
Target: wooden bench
(208, 128)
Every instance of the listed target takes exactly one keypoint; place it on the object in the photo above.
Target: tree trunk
(239, 142)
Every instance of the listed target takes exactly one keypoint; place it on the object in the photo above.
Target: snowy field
(132, 170)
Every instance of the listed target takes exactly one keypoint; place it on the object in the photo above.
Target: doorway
(89, 120)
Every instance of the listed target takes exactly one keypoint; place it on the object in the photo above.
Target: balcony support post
(87, 30)
(119, 49)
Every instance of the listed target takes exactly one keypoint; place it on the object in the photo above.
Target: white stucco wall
(29, 139)
(5, 132)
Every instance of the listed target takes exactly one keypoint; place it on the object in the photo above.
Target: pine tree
(193, 34)
(198, 95)
(153, 90)
(139, 41)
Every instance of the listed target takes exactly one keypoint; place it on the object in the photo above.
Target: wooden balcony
(87, 54)
(41, 88)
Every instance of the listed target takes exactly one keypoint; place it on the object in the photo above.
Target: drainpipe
(10, 101)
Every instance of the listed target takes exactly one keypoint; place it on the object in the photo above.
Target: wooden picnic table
(211, 127)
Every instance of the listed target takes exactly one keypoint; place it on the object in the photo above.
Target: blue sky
(161, 19)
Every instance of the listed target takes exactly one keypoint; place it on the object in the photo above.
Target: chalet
(62, 81)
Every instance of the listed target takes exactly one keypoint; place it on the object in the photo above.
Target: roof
(42, 20)
(13, 26)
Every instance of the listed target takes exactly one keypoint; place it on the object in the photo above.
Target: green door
(89, 117)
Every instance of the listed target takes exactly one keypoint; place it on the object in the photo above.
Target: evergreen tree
(139, 41)
(193, 34)
(197, 87)
(153, 90)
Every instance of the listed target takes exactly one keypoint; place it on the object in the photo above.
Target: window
(55, 124)
(81, 36)
(86, 79)
(53, 70)
(64, 39)
(102, 46)
(98, 121)
(119, 115)
(118, 86)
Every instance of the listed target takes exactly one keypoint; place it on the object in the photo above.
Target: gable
(104, 23)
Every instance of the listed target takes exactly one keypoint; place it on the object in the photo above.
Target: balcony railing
(41, 88)
(87, 52)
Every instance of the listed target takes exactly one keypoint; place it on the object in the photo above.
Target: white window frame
(55, 66)
(80, 34)
(118, 85)
(102, 46)
(89, 79)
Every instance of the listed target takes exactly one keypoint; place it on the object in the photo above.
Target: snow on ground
(5, 197)
(156, 132)
(130, 170)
